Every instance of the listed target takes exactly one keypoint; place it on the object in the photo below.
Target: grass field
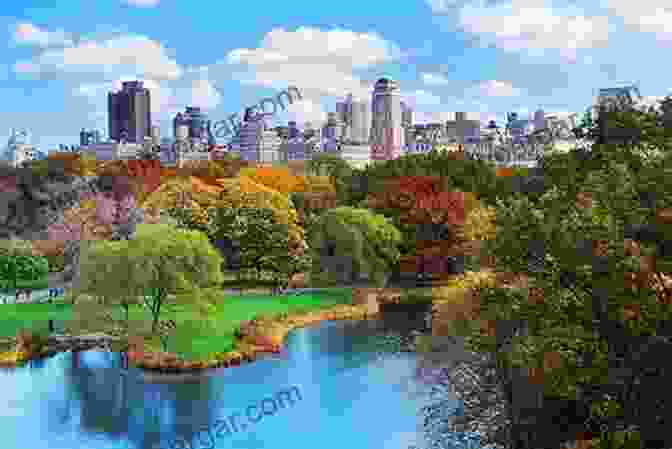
(193, 339)
(194, 336)
(31, 316)
(35, 285)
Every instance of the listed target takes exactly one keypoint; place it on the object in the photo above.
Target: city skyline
(58, 67)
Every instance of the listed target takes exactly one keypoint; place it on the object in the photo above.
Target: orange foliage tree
(144, 175)
(279, 179)
(421, 199)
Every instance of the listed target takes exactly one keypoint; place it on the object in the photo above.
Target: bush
(480, 224)
(54, 252)
(470, 280)
(415, 298)
(26, 268)
(16, 247)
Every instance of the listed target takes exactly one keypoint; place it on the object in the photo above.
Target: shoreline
(155, 365)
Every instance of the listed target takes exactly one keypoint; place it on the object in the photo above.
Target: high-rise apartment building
(333, 129)
(464, 129)
(129, 113)
(256, 142)
(344, 110)
(292, 130)
(196, 122)
(539, 120)
(88, 137)
(386, 131)
(355, 119)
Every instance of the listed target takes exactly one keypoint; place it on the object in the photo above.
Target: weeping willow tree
(349, 242)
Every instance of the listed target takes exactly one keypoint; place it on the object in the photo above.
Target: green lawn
(193, 338)
(35, 285)
(31, 316)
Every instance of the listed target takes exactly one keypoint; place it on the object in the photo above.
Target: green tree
(16, 247)
(110, 274)
(339, 171)
(171, 261)
(264, 242)
(579, 317)
(369, 240)
(17, 263)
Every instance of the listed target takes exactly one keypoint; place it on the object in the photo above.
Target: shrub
(53, 251)
(28, 268)
(16, 247)
(480, 224)
(470, 280)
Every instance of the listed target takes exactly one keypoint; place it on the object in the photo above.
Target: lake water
(354, 392)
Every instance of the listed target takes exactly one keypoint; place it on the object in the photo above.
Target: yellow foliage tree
(480, 223)
(319, 184)
(276, 178)
(244, 192)
(197, 196)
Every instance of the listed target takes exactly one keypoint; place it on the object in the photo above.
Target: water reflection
(87, 400)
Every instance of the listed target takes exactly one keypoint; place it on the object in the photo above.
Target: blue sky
(484, 57)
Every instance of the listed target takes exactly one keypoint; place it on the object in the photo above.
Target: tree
(173, 261)
(110, 274)
(53, 250)
(103, 216)
(338, 172)
(195, 197)
(16, 247)
(276, 178)
(368, 240)
(17, 263)
(591, 320)
(264, 242)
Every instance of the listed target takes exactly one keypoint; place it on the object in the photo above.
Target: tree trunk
(159, 296)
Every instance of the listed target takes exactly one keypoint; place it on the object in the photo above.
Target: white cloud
(652, 16)
(494, 88)
(524, 26)
(142, 3)
(317, 62)
(29, 34)
(203, 94)
(433, 79)
(108, 59)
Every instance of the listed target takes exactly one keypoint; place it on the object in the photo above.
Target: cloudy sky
(485, 57)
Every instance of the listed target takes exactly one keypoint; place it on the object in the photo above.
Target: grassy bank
(197, 333)
(31, 316)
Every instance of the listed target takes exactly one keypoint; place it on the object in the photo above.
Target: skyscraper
(195, 120)
(292, 130)
(539, 120)
(88, 137)
(386, 139)
(407, 124)
(354, 118)
(333, 128)
(344, 110)
(360, 122)
(129, 113)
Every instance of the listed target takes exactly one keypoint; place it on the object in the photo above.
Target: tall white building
(269, 147)
(257, 143)
(356, 119)
(386, 130)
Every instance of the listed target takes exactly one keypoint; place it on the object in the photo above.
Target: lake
(338, 385)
